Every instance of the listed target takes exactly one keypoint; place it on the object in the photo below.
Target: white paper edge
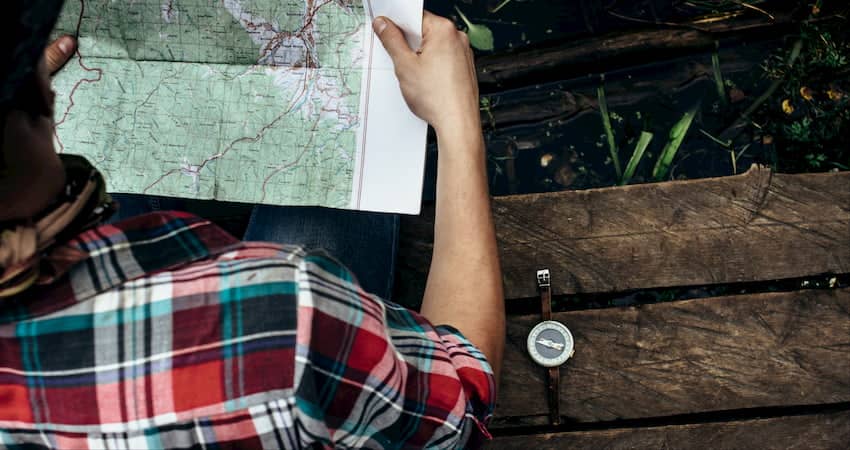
(391, 140)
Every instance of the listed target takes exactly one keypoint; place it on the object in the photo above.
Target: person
(163, 331)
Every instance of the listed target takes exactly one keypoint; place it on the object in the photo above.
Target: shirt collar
(25, 246)
(108, 256)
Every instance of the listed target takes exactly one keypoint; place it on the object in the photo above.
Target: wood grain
(561, 100)
(809, 432)
(599, 54)
(751, 227)
(715, 354)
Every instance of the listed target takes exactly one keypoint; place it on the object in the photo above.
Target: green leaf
(640, 148)
(718, 75)
(480, 36)
(609, 130)
(677, 135)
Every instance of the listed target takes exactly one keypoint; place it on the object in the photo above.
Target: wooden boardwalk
(752, 370)
(765, 365)
(763, 370)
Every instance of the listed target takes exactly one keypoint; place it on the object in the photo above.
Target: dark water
(571, 151)
(639, 99)
(535, 144)
(534, 23)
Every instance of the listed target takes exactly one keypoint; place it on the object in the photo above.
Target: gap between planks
(687, 357)
(756, 226)
(826, 431)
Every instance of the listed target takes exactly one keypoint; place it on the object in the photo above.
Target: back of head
(25, 26)
(30, 171)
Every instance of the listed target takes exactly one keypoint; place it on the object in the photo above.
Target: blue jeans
(365, 242)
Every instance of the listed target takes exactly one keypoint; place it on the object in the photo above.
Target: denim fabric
(364, 242)
(132, 205)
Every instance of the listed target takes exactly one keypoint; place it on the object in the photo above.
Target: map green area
(240, 100)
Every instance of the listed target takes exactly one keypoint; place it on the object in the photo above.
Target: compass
(550, 343)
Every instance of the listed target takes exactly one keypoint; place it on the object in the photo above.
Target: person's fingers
(59, 52)
(393, 39)
(428, 20)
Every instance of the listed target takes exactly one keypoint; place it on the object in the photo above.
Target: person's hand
(59, 52)
(438, 81)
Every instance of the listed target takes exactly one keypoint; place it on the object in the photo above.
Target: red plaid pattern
(168, 333)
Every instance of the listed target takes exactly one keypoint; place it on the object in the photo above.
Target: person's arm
(464, 288)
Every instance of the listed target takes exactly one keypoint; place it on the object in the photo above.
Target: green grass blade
(640, 148)
(500, 6)
(677, 135)
(609, 130)
(718, 75)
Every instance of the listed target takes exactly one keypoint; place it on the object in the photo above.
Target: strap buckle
(543, 278)
(553, 373)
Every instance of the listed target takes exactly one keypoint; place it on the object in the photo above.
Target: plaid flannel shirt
(166, 332)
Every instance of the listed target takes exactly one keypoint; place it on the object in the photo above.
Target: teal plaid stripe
(227, 345)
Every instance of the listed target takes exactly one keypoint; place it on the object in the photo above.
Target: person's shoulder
(182, 237)
(166, 242)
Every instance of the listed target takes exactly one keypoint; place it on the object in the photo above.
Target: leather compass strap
(554, 373)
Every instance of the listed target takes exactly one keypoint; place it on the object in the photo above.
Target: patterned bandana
(24, 245)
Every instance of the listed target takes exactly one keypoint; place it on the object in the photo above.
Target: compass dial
(550, 343)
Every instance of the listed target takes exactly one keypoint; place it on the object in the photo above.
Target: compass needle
(551, 344)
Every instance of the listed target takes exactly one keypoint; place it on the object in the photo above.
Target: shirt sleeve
(373, 374)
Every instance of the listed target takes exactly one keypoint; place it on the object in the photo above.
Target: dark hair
(28, 98)
(25, 26)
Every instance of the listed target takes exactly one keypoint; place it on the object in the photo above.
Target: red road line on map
(255, 138)
(264, 129)
(79, 83)
(296, 161)
(302, 34)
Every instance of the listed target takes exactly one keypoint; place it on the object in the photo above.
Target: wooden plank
(685, 357)
(751, 227)
(809, 432)
(566, 98)
(614, 51)
(563, 99)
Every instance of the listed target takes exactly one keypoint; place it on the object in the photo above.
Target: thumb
(58, 52)
(393, 39)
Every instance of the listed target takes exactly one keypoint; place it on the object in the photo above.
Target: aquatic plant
(609, 130)
(480, 36)
(677, 135)
(642, 143)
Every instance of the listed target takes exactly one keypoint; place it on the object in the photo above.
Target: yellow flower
(787, 108)
(834, 95)
(806, 93)
(815, 10)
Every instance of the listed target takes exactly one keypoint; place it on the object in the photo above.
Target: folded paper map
(286, 102)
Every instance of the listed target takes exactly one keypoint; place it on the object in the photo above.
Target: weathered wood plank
(751, 227)
(810, 432)
(684, 357)
(540, 103)
(614, 51)
(563, 99)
